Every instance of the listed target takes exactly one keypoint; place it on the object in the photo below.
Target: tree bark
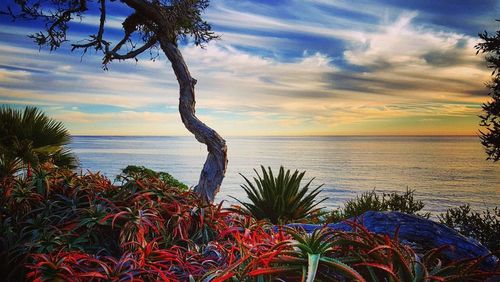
(215, 165)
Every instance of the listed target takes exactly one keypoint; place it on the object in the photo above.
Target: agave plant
(280, 199)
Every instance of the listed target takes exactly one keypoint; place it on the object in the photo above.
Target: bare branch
(130, 25)
(97, 41)
(113, 55)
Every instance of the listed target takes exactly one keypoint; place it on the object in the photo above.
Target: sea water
(444, 171)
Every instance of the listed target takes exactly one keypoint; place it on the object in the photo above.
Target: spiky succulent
(280, 198)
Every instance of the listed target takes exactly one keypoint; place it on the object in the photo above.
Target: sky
(295, 67)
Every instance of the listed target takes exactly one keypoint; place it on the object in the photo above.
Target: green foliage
(490, 120)
(315, 247)
(280, 199)
(29, 137)
(368, 201)
(484, 227)
(57, 225)
(371, 201)
(404, 203)
(335, 215)
(9, 164)
(140, 172)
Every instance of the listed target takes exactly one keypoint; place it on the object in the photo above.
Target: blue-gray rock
(424, 232)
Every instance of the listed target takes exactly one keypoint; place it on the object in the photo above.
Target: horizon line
(312, 135)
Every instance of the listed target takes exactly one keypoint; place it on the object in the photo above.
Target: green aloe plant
(307, 254)
(280, 198)
(314, 246)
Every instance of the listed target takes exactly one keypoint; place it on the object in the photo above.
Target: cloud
(121, 123)
(400, 42)
(112, 21)
(264, 42)
(222, 16)
(124, 116)
(78, 96)
(310, 67)
(13, 76)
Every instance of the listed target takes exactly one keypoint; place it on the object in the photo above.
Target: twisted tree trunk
(215, 166)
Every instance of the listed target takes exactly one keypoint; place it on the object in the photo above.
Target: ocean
(444, 171)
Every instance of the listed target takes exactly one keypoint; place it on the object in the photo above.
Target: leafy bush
(371, 201)
(485, 226)
(404, 203)
(139, 172)
(280, 199)
(368, 201)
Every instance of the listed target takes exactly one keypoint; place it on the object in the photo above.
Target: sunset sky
(298, 67)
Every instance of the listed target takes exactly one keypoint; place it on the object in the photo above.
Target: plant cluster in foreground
(57, 225)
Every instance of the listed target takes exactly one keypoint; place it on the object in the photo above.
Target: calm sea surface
(444, 171)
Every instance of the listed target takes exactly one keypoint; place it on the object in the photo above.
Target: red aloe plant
(85, 228)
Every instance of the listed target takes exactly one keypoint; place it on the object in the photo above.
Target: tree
(30, 138)
(152, 25)
(490, 120)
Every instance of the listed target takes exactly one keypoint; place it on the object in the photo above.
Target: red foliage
(83, 227)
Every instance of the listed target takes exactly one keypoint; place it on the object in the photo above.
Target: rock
(424, 232)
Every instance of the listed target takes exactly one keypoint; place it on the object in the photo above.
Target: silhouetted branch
(97, 41)
(113, 55)
(56, 21)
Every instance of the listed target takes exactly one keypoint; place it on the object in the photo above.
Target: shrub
(138, 172)
(280, 199)
(371, 201)
(404, 203)
(485, 226)
(368, 201)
